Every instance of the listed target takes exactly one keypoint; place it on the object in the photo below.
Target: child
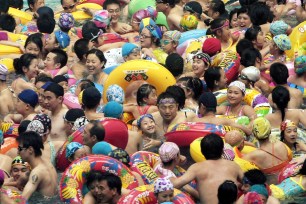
(130, 51)
(55, 60)
(163, 190)
(66, 22)
(75, 150)
(62, 81)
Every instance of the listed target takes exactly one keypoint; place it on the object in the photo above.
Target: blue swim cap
(103, 148)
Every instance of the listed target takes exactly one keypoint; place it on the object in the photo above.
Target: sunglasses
(68, 7)
(21, 148)
(144, 36)
(165, 42)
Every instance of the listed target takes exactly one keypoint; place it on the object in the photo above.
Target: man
(103, 188)
(70, 117)
(210, 174)
(93, 132)
(53, 100)
(90, 101)
(43, 177)
(6, 95)
(172, 12)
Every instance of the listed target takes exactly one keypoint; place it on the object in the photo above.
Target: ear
(31, 149)
(175, 44)
(216, 83)
(60, 98)
(94, 138)
(219, 32)
(57, 65)
(24, 69)
(145, 99)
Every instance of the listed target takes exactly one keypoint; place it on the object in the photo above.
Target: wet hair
(113, 181)
(231, 15)
(86, 83)
(42, 78)
(211, 75)
(249, 56)
(281, 97)
(31, 139)
(17, 4)
(23, 126)
(97, 130)
(24, 61)
(144, 92)
(179, 95)
(108, 2)
(227, 192)
(31, 2)
(212, 146)
(7, 22)
(303, 169)
(251, 33)
(242, 45)
(36, 39)
(175, 64)
(194, 84)
(243, 9)
(91, 97)
(279, 73)
(217, 23)
(260, 13)
(63, 2)
(165, 95)
(81, 48)
(60, 56)
(255, 176)
(4, 6)
(99, 54)
(247, 2)
(89, 30)
(45, 24)
(218, 6)
(56, 89)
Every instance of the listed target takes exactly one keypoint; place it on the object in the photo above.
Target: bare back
(295, 115)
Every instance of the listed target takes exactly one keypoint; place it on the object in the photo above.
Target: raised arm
(185, 178)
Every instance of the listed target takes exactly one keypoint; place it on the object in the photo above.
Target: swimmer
(163, 190)
(75, 151)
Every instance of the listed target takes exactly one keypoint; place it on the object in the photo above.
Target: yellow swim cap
(80, 97)
(261, 128)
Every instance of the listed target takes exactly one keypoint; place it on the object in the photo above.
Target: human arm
(193, 192)
(109, 46)
(152, 143)
(13, 118)
(300, 14)
(123, 28)
(186, 177)
(31, 186)
(62, 71)
(89, 199)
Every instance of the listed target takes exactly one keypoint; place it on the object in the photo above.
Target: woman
(233, 18)
(256, 36)
(244, 19)
(220, 29)
(201, 62)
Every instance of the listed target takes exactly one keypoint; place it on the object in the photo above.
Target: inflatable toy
(9, 129)
(161, 20)
(17, 37)
(145, 195)
(13, 195)
(136, 5)
(139, 70)
(160, 56)
(99, 2)
(289, 170)
(192, 34)
(8, 62)
(23, 16)
(297, 38)
(74, 177)
(77, 15)
(89, 6)
(9, 143)
(71, 101)
(7, 50)
(229, 61)
(183, 134)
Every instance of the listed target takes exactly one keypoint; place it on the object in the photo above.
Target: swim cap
(208, 99)
(238, 84)
(173, 35)
(128, 48)
(102, 19)
(233, 138)
(151, 26)
(72, 147)
(252, 198)
(115, 93)
(3, 72)
(211, 46)
(193, 7)
(36, 126)
(261, 128)
(149, 12)
(66, 20)
(300, 64)
(189, 22)
(18, 161)
(228, 152)
(168, 151)
(62, 38)
(29, 96)
(282, 41)
(260, 189)
(45, 120)
(80, 122)
(287, 123)
(102, 147)
(251, 73)
(203, 56)
(278, 27)
(120, 155)
(162, 184)
(142, 117)
(113, 109)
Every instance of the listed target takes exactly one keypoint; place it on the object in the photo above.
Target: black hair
(42, 78)
(56, 89)
(219, 6)
(303, 169)
(144, 92)
(60, 78)
(108, 2)
(247, 2)
(212, 146)
(86, 83)
(97, 130)
(281, 97)
(24, 61)
(81, 48)
(211, 75)
(23, 126)
(255, 176)
(31, 139)
(242, 45)
(251, 33)
(249, 56)
(91, 97)
(36, 39)
(17, 4)
(215, 24)
(62, 1)
(89, 30)
(260, 13)
(279, 73)
(99, 54)
(60, 56)
(45, 24)
(194, 84)
(243, 9)
(165, 95)
(7, 22)
(4, 6)
(179, 95)
(31, 2)
(73, 114)
(227, 192)
(175, 64)
(209, 100)
(231, 14)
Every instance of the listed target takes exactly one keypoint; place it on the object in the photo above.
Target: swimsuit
(228, 110)
(143, 109)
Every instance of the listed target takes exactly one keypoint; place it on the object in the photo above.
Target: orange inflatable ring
(74, 177)
(9, 143)
(145, 195)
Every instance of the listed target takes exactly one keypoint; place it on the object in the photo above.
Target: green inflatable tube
(136, 5)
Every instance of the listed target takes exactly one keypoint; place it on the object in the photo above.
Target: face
(260, 39)
(223, 80)
(114, 12)
(168, 45)
(152, 98)
(168, 111)
(160, 7)
(32, 71)
(50, 63)
(198, 67)
(165, 196)
(23, 152)
(93, 64)
(65, 86)
(234, 95)
(41, 95)
(226, 33)
(205, 5)
(50, 42)
(102, 192)
(145, 38)
(32, 48)
(135, 24)
(148, 126)
(87, 139)
(234, 21)
(134, 55)
(38, 4)
(244, 20)
(51, 101)
(291, 134)
(69, 6)
(21, 106)
(82, 152)
(68, 127)
(17, 169)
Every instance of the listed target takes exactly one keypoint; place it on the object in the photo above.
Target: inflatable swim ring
(139, 70)
(7, 50)
(71, 100)
(99, 2)
(9, 129)
(13, 195)
(17, 37)
(8, 62)
(192, 34)
(89, 5)
(145, 195)
(297, 38)
(289, 170)
(23, 16)
(74, 177)
(136, 5)
(9, 143)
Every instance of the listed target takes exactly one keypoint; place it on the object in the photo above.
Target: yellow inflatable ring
(80, 15)
(89, 6)
(139, 70)
(23, 16)
(8, 62)
(17, 37)
(7, 50)
(298, 40)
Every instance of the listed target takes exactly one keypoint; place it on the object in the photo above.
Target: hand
(23, 179)
(88, 11)
(8, 119)
(151, 143)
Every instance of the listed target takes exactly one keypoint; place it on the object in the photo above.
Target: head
(215, 78)
(81, 47)
(18, 167)
(30, 145)
(53, 97)
(220, 28)
(146, 95)
(56, 59)
(278, 28)
(121, 156)
(234, 138)
(261, 128)
(167, 106)
(163, 190)
(256, 36)
(70, 117)
(115, 93)
(235, 92)
(113, 109)
(212, 146)
(26, 65)
(200, 64)
(233, 18)
(242, 45)
(249, 76)
(82, 85)
(252, 177)
(91, 98)
(45, 20)
(244, 19)
(95, 61)
(69, 6)
(175, 64)
(93, 132)
(113, 8)
(91, 32)
(41, 80)
(251, 57)
(75, 150)
(227, 192)
(34, 45)
(279, 73)
(281, 98)
(62, 81)
(261, 190)
(7, 22)
(193, 87)
(146, 124)
(288, 132)
(217, 9)
(164, 5)
(150, 33)
(102, 148)
(66, 22)
(280, 44)
(4, 6)
(300, 65)
(149, 12)
(207, 103)
(169, 42)
(189, 22)
(169, 154)
(179, 95)
(41, 124)
(34, 5)
(102, 19)
(27, 100)
(211, 46)
(193, 8)
(22, 127)
(130, 51)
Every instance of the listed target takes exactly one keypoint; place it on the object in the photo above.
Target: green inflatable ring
(136, 5)
(162, 20)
